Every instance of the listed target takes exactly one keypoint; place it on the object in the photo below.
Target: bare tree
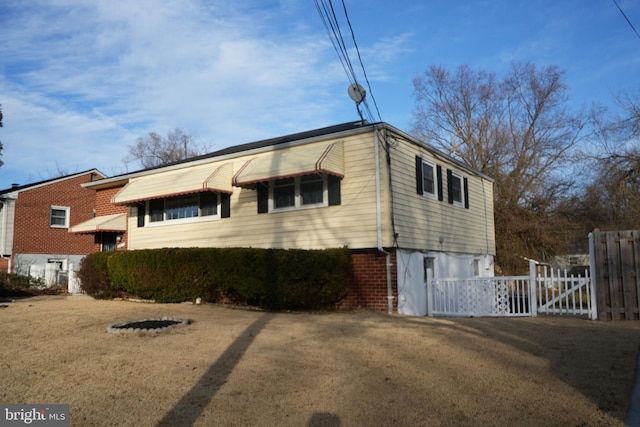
(519, 131)
(59, 171)
(156, 150)
(612, 199)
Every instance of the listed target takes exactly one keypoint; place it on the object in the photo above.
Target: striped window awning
(291, 162)
(188, 180)
(116, 223)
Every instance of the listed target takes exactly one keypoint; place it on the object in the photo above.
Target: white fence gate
(543, 291)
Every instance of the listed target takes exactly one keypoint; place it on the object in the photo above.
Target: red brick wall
(105, 207)
(103, 202)
(32, 232)
(368, 283)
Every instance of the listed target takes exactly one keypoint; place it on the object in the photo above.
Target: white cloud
(93, 77)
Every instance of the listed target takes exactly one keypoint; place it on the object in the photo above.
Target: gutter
(379, 221)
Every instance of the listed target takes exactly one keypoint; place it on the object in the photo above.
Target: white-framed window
(60, 262)
(59, 217)
(298, 192)
(429, 178)
(429, 187)
(458, 189)
(187, 208)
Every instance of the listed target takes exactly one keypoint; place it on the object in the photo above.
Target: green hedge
(94, 276)
(268, 278)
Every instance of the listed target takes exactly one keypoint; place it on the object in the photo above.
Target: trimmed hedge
(94, 276)
(290, 279)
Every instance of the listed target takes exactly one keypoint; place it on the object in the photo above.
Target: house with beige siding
(407, 211)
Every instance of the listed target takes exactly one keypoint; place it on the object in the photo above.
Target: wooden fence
(615, 267)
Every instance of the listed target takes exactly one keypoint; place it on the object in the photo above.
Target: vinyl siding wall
(352, 223)
(423, 223)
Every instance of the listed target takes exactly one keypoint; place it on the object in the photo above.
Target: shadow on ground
(193, 403)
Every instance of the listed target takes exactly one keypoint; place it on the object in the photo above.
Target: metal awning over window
(188, 180)
(297, 161)
(116, 223)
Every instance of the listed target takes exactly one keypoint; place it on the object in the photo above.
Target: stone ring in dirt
(157, 324)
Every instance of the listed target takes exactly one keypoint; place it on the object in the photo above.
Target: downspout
(379, 221)
(5, 227)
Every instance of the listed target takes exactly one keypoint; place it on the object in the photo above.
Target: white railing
(512, 296)
(480, 296)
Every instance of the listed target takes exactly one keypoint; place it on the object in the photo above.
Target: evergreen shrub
(278, 279)
(94, 276)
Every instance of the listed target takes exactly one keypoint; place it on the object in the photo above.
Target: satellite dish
(356, 92)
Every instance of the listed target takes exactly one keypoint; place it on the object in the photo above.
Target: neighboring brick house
(109, 223)
(35, 220)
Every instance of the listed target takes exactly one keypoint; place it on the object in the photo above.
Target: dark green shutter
(440, 192)
(141, 213)
(466, 193)
(225, 205)
(334, 190)
(449, 186)
(263, 197)
(419, 188)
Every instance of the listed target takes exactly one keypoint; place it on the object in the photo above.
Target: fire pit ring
(154, 324)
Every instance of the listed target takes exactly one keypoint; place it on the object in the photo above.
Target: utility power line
(331, 23)
(627, 19)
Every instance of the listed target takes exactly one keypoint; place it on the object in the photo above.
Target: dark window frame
(155, 211)
(331, 193)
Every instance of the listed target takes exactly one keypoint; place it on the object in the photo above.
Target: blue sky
(80, 81)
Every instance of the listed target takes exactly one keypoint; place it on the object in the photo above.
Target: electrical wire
(332, 26)
(331, 23)
(364, 71)
(625, 17)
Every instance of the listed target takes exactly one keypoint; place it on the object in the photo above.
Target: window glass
(301, 192)
(284, 193)
(311, 189)
(156, 210)
(208, 204)
(58, 217)
(428, 182)
(456, 188)
(182, 207)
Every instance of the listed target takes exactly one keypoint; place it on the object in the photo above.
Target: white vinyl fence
(543, 291)
(560, 293)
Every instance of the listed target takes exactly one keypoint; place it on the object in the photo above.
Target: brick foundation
(368, 283)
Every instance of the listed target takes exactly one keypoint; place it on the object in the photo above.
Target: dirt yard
(233, 367)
